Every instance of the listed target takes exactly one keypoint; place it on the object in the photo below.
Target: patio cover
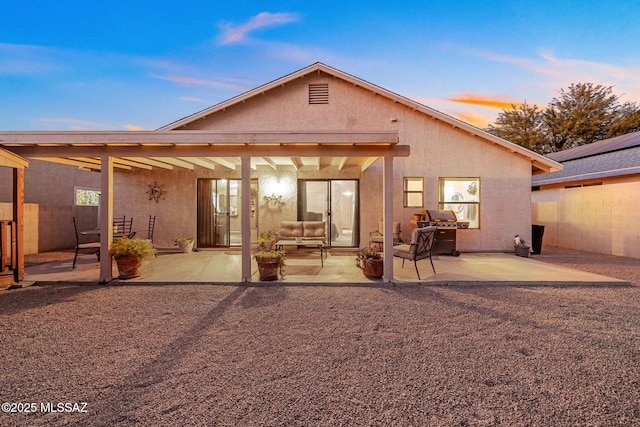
(104, 150)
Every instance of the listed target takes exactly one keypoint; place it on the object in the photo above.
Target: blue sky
(84, 65)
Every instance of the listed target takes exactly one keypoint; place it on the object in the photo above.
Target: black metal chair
(91, 247)
(123, 228)
(152, 226)
(420, 247)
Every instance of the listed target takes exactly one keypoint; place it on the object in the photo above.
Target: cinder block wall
(602, 219)
(50, 227)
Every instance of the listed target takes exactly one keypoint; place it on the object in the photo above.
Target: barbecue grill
(447, 224)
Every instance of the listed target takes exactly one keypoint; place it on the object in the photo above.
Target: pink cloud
(234, 34)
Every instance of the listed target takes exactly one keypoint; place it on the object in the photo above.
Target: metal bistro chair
(122, 228)
(420, 247)
(152, 226)
(91, 248)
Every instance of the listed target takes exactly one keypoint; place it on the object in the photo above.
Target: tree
(582, 114)
(521, 125)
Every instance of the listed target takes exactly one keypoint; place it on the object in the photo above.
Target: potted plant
(129, 254)
(370, 262)
(270, 264)
(185, 244)
(266, 240)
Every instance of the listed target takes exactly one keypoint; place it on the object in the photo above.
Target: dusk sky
(116, 65)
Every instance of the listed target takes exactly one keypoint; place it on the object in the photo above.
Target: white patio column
(245, 219)
(387, 216)
(106, 216)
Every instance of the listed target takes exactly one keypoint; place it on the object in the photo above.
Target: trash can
(537, 231)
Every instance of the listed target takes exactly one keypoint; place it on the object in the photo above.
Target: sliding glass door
(219, 213)
(336, 203)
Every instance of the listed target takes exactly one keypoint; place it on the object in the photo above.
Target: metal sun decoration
(274, 202)
(156, 192)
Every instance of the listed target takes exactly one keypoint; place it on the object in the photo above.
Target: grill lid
(445, 215)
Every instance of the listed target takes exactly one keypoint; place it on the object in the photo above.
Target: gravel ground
(327, 355)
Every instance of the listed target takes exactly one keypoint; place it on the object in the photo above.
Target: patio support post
(245, 217)
(18, 218)
(106, 217)
(387, 206)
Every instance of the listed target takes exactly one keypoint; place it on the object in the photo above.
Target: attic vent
(319, 93)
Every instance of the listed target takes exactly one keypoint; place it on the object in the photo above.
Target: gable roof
(539, 162)
(612, 157)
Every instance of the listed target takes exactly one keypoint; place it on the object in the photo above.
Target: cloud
(554, 73)
(190, 99)
(134, 127)
(27, 59)
(186, 80)
(74, 124)
(502, 102)
(236, 34)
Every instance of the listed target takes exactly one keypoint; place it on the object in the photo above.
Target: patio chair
(122, 228)
(376, 238)
(152, 226)
(90, 248)
(420, 247)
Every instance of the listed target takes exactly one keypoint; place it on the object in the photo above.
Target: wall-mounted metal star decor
(156, 192)
(273, 202)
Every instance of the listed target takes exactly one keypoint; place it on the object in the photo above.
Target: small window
(462, 196)
(319, 93)
(413, 192)
(87, 197)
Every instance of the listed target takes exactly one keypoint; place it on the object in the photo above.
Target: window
(413, 192)
(87, 197)
(461, 195)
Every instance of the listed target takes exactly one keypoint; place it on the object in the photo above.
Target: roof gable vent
(319, 93)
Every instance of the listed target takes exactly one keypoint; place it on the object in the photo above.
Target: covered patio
(223, 267)
(105, 151)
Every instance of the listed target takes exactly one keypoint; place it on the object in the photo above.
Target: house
(592, 204)
(317, 143)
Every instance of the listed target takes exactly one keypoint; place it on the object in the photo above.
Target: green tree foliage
(522, 125)
(582, 114)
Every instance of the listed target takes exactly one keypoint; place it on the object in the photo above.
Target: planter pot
(128, 266)
(268, 267)
(373, 270)
(522, 251)
(186, 246)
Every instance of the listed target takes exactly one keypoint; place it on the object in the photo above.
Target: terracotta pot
(373, 270)
(268, 267)
(128, 266)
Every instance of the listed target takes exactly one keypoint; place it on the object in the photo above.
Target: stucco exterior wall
(49, 183)
(50, 227)
(601, 218)
(437, 150)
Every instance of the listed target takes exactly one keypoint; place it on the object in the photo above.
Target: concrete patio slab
(339, 267)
